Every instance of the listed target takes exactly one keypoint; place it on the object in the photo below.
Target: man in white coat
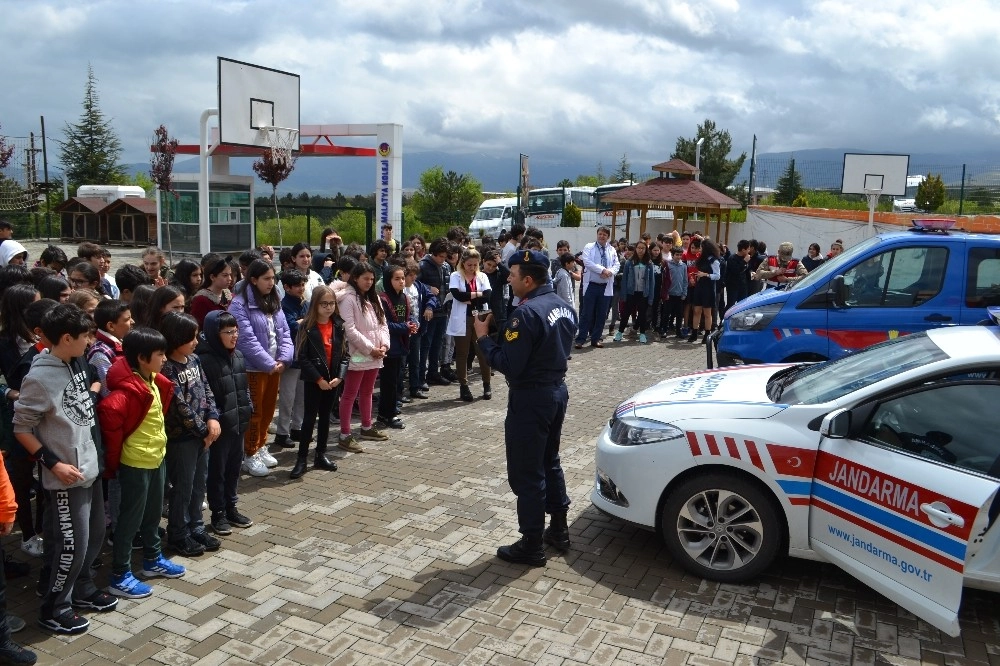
(600, 264)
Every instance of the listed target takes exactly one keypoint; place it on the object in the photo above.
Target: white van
(110, 193)
(493, 216)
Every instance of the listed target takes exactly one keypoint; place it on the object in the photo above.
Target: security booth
(230, 214)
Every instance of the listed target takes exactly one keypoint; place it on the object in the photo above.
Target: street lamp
(697, 159)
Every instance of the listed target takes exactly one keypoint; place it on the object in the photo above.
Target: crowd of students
(145, 393)
(679, 283)
(164, 381)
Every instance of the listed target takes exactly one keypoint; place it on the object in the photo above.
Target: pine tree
(930, 193)
(91, 148)
(717, 171)
(623, 173)
(789, 186)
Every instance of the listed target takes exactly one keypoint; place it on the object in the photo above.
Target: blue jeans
(430, 346)
(593, 312)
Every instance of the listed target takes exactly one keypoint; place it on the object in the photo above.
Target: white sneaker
(266, 458)
(254, 466)
(33, 546)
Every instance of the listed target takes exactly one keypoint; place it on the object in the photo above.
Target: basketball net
(281, 141)
(872, 195)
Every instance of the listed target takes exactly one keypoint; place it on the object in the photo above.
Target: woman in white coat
(470, 289)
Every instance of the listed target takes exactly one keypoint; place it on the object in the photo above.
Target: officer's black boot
(557, 533)
(528, 550)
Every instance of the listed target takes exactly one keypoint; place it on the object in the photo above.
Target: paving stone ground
(391, 560)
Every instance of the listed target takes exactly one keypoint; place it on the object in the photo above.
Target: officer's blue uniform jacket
(533, 355)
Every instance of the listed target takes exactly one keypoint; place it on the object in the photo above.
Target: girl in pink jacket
(367, 337)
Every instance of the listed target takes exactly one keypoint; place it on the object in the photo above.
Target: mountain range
(820, 168)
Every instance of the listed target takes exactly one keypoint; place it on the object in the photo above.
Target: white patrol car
(885, 462)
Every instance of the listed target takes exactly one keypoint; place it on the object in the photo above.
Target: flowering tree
(161, 169)
(273, 170)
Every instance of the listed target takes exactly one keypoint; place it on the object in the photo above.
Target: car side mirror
(836, 424)
(838, 291)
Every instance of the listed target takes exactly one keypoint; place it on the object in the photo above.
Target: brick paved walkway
(390, 560)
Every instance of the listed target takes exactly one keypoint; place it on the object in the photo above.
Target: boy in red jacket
(135, 440)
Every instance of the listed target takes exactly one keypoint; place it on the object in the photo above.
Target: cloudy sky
(553, 79)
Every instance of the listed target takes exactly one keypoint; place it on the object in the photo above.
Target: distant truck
(111, 193)
(908, 202)
(493, 216)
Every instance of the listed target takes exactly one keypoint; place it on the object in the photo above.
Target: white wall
(775, 227)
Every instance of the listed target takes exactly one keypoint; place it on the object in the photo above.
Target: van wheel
(721, 527)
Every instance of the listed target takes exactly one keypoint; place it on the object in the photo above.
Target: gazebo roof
(669, 193)
(675, 165)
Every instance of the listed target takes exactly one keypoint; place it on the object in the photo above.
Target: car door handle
(937, 317)
(941, 516)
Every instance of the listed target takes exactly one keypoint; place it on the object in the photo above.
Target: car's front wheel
(721, 527)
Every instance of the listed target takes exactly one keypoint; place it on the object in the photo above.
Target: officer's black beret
(528, 257)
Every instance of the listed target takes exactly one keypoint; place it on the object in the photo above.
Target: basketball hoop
(281, 141)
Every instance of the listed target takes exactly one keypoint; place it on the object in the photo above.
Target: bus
(546, 204)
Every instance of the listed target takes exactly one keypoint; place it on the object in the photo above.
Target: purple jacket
(252, 341)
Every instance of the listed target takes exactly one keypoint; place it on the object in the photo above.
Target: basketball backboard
(251, 97)
(886, 173)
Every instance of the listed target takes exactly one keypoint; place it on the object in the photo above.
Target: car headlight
(754, 319)
(633, 431)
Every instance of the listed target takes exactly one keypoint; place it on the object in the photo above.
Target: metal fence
(972, 188)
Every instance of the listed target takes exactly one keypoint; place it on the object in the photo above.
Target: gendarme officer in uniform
(538, 338)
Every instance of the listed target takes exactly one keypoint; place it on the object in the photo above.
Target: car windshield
(833, 266)
(823, 382)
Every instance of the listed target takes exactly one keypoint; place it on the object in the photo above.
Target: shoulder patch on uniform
(514, 323)
(511, 335)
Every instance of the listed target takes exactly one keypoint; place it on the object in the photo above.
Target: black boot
(282, 442)
(465, 393)
(487, 392)
(528, 550)
(301, 464)
(448, 373)
(322, 462)
(694, 335)
(557, 533)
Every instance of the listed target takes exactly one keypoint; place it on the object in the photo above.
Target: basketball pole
(873, 196)
(204, 242)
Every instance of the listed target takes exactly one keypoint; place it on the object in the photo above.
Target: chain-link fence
(971, 189)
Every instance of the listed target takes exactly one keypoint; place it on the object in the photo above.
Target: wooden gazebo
(675, 189)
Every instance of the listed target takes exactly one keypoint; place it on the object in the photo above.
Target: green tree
(91, 148)
(623, 173)
(717, 170)
(446, 197)
(572, 216)
(930, 194)
(565, 182)
(789, 186)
